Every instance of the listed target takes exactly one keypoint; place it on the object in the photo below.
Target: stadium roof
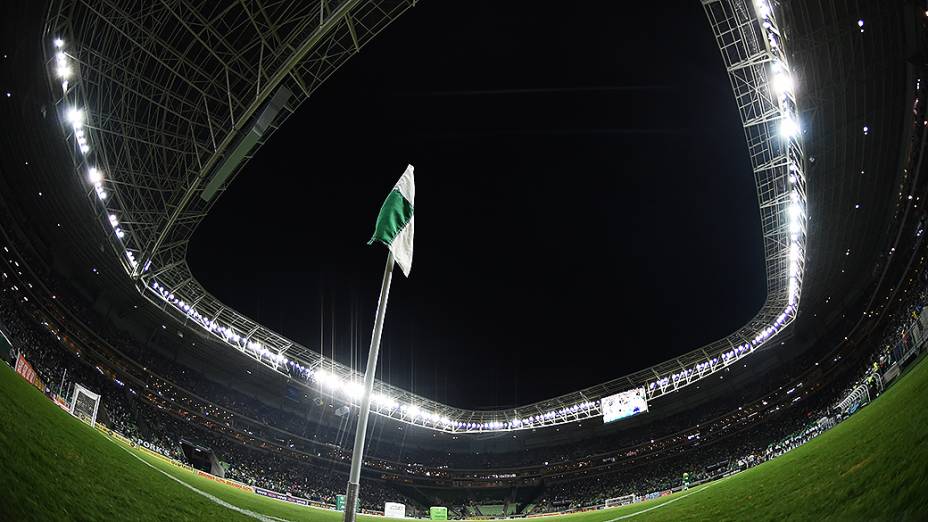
(155, 224)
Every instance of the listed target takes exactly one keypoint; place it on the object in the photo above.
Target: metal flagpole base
(351, 500)
(357, 454)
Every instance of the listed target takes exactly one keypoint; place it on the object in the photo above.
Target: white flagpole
(357, 456)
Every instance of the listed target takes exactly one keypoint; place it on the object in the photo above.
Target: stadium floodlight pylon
(155, 110)
(84, 404)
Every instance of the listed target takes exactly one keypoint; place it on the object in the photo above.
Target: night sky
(585, 203)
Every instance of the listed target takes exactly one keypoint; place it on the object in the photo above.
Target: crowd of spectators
(754, 445)
(269, 447)
(121, 410)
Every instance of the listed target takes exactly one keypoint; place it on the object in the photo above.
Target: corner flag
(395, 224)
(395, 229)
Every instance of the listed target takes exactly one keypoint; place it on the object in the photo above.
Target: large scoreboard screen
(625, 404)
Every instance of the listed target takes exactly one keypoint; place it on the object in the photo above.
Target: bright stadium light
(763, 9)
(75, 117)
(385, 401)
(788, 127)
(63, 71)
(782, 83)
(326, 379)
(353, 390)
(59, 43)
(94, 176)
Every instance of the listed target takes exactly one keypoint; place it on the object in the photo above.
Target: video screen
(625, 404)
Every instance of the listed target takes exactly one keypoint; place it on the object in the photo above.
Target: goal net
(620, 501)
(84, 404)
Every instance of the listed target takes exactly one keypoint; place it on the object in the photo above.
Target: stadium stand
(162, 412)
(151, 394)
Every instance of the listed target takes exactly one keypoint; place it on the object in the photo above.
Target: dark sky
(585, 205)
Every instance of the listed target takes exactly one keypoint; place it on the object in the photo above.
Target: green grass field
(874, 466)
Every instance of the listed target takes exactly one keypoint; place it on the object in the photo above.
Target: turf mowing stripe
(212, 498)
(636, 513)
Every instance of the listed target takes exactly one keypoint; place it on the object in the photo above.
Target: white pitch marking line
(217, 500)
(636, 513)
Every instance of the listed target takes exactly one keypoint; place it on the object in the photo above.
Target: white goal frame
(621, 501)
(80, 390)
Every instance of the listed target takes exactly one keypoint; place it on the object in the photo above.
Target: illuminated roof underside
(162, 107)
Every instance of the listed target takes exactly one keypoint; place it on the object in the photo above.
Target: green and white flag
(395, 222)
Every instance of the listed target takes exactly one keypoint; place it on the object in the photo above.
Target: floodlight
(75, 117)
(782, 83)
(385, 400)
(763, 9)
(59, 43)
(326, 379)
(94, 176)
(788, 127)
(354, 390)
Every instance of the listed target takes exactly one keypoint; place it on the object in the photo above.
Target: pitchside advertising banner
(153, 447)
(394, 510)
(280, 496)
(438, 513)
(25, 369)
(625, 404)
(340, 501)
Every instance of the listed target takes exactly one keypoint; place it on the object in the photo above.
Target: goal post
(621, 501)
(84, 404)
